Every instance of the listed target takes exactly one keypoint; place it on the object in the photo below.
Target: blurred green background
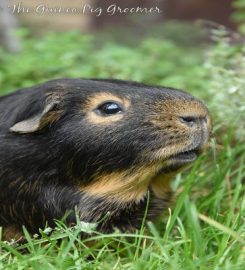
(206, 58)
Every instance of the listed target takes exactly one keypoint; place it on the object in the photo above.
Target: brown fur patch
(10, 233)
(122, 186)
(160, 184)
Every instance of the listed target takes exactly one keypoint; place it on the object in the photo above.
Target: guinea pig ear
(49, 115)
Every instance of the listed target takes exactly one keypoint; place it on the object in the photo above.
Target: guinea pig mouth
(183, 158)
(180, 160)
(187, 156)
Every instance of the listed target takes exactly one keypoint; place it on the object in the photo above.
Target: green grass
(205, 227)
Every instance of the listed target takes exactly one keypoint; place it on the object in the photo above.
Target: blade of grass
(222, 228)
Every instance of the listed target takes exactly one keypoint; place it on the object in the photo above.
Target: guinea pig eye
(109, 108)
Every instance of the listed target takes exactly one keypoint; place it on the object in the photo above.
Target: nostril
(188, 120)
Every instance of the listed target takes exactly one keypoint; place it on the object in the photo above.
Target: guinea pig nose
(188, 120)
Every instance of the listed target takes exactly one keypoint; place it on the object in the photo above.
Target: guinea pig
(107, 148)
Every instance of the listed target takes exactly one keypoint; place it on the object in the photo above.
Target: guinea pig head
(115, 138)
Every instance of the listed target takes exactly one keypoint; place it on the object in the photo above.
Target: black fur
(40, 172)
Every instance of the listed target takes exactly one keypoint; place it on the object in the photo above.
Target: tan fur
(168, 113)
(160, 184)
(10, 233)
(96, 119)
(181, 107)
(121, 186)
